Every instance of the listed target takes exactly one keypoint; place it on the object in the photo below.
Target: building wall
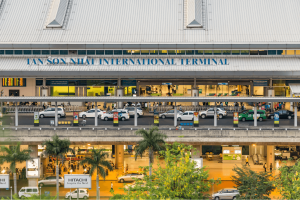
(29, 90)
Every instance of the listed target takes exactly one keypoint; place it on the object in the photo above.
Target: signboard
(196, 119)
(4, 181)
(235, 119)
(77, 181)
(222, 83)
(232, 157)
(276, 119)
(166, 83)
(200, 91)
(59, 82)
(260, 83)
(116, 119)
(33, 168)
(13, 82)
(36, 119)
(156, 119)
(75, 118)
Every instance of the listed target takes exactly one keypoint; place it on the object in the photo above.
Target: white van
(28, 191)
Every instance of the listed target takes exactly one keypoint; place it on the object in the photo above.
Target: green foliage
(174, 148)
(14, 155)
(37, 197)
(97, 162)
(179, 179)
(288, 181)
(251, 184)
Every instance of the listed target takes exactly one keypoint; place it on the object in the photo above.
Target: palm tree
(153, 140)
(14, 155)
(97, 162)
(57, 148)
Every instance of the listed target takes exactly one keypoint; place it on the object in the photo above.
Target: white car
(129, 177)
(210, 113)
(91, 113)
(83, 194)
(187, 115)
(132, 185)
(138, 110)
(50, 112)
(123, 115)
(169, 113)
(51, 180)
(28, 192)
(226, 193)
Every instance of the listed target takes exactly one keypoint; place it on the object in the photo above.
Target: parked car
(50, 112)
(83, 194)
(138, 110)
(51, 180)
(248, 115)
(227, 193)
(28, 191)
(129, 177)
(132, 185)
(123, 115)
(91, 113)
(283, 114)
(187, 115)
(169, 113)
(210, 113)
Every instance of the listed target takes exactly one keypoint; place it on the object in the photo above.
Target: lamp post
(40, 193)
(99, 193)
(10, 192)
(70, 188)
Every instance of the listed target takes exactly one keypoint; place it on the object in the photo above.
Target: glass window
(217, 52)
(171, 52)
(297, 52)
(245, 52)
(199, 52)
(145, 52)
(126, 52)
(1, 52)
(190, 52)
(290, 52)
(207, 52)
(29, 190)
(63, 52)
(226, 52)
(36, 52)
(54, 52)
(90, 52)
(34, 190)
(109, 52)
(280, 52)
(163, 52)
(9, 52)
(153, 52)
(117, 52)
(263, 52)
(271, 52)
(18, 52)
(254, 52)
(185, 113)
(23, 190)
(81, 52)
(99, 52)
(235, 52)
(45, 52)
(136, 52)
(180, 52)
(27, 52)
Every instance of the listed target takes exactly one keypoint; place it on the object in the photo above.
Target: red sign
(116, 117)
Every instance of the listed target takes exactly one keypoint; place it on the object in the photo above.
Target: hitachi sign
(127, 61)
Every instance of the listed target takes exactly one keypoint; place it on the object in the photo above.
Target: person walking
(271, 167)
(247, 161)
(265, 167)
(111, 187)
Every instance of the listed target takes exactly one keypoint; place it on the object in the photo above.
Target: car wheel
(121, 180)
(234, 198)
(41, 184)
(123, 118)
(106, 118)
(289, 117)
(163, 116)
(58, 116)
(243, 119)
(203, 116)
(271, 117)
(179, 119)
(85, 197)
(41, 116)
(217, 198)
(220, 116)
(59, 184)
(260, 119)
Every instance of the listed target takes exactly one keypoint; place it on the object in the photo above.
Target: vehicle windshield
(245, 112)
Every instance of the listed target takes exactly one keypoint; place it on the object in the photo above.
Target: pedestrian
(111, 187)
(265, 167)
(247, 161)
(126, 168)
(226, 103)
(221, 104)
(271, 167)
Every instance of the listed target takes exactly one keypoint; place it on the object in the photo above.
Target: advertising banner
(232, 157)
(156, 119)
(235, 119)
(116, 119)
(75, 118)
(4, 180)
(77, 181)
(33, 168)
(36, 119)
(196, 119)
(276, 119)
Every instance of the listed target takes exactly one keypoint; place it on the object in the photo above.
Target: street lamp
(10, 192)
(70, 188)
(99, 192)
(40, 193)
(3, 171)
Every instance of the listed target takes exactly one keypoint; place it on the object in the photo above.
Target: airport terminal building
(149, 48)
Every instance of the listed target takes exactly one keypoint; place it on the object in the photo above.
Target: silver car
(129, 177)
(210, 113)
(169, 113)
(50, 112)
(226, 193)
(51, 180)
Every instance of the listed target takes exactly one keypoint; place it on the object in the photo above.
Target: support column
(120, 93)
(291, 103)
(175, 115)
(295, 114)
(56, 118)
(197, 153)
(255, 114)
(16, 116)
(270, 157)
(96, 114)
(135, 114)
(119, 156)
(215, 116)
(195, 93)
(33, 182)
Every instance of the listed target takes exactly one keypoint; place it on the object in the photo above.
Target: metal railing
(24, 109)
(160, 109)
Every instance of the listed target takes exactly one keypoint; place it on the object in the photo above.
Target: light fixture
(3, 171)
(89, 144)
(254, 145)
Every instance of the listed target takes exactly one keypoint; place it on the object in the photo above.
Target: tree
(97, 162)
(251, 184)
(14, 155)
(179, 179)
(288, 181)
(153, 141)
(57, 148)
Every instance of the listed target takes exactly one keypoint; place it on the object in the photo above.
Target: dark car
(283, 114)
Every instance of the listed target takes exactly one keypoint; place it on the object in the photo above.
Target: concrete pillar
(255, 114)
(96, 114)
(195, 93)
(197, 153)
(215, 116)
(33, 182)
(270, 157)
(175, 115)
(16, 116)
(135, 114)
(120, 93)
(291, 103)
(295, 114)
(119, 156)
(56, 117)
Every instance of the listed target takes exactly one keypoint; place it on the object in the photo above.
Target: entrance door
(14, 93)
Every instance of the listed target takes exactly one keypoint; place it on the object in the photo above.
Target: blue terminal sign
(127, 61)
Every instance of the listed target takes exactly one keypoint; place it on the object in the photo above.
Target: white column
(120, 93)
(255, 114)
(270, 157)
(135, 114)
(96, 114)
(56, 119)
(175, 115)
(291, 103)
(215, 116)
(16, 116)
(295, 114)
